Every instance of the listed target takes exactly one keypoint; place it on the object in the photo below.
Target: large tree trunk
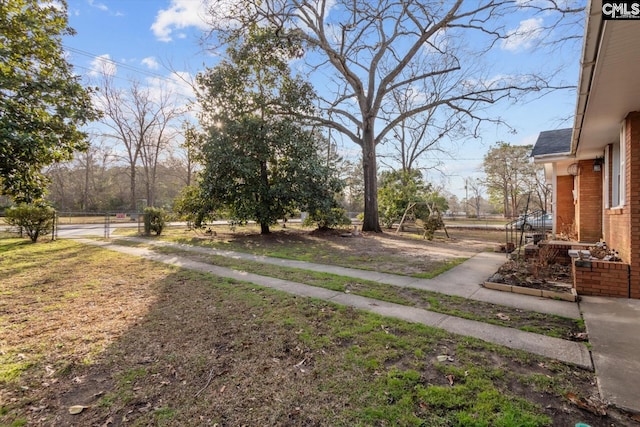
(371, 221)
(505, 200)
(150, 201)
(264, 228)
(132, 169)
(85, 190)
(264, 177)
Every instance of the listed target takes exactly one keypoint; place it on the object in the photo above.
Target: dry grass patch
(61, 306)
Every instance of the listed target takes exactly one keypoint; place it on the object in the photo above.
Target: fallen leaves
(451, 379)
(76, 409)
(579, 336)
(592, 405)
(212, 375)
(299, 365)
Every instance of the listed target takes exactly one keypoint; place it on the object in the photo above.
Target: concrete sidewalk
(563, 350)
(464, 280)
(612, 324)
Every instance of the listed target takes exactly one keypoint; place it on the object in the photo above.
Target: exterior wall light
(597, 164)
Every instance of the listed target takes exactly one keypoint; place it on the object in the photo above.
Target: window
(615, 174)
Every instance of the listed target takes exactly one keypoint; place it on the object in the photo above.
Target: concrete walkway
(463, 280)
(612, 324)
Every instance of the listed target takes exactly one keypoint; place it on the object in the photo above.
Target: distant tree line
(94, 188)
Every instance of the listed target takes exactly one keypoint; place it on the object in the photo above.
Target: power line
(115, 63)
(90, 70)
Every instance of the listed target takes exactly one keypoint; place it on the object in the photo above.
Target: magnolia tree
(261, 160)
(42, 103)
(361, 53)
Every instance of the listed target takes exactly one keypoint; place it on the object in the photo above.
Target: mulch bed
(552, 277)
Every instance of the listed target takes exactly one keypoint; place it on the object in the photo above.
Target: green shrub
(190, 206)
(155, 220)
(327, 219)
(430, 225)
(34, 220)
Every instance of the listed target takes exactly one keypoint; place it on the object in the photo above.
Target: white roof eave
(593, 28)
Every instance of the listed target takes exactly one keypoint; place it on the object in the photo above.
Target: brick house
(594, 167)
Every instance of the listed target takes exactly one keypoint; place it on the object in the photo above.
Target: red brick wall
(589, 203)
(601, 278)
(565, 209)
(617, 232)
(633, 198)
(622, 226)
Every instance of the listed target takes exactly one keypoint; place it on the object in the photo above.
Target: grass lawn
(139, 343)
(405, 253)
(546, 324)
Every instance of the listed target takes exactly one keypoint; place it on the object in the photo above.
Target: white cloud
(176, 88)
(180, 14)
(523, 37)
(100, 6)
(178, 85)
(103, 65)
(438, 42)
(150, 62)
(333, 33)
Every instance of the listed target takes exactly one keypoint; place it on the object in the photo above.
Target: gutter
(552, 157)
(594, 28)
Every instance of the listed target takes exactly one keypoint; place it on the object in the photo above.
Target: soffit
(615, 87)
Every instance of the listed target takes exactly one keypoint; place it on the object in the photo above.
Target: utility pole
(466, 198)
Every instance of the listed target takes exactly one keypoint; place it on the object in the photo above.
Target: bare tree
(191, 147)
(140, 120)
(539, 189)
(354, 185)
(476, 188)
(423, 133)
(158, 140)
(509, 171)
(453, 202)
(82, 183)
(94, 164)
(60, 193)
(126, 114)
(364, 52)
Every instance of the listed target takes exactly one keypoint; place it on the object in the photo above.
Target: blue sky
(147, 38)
